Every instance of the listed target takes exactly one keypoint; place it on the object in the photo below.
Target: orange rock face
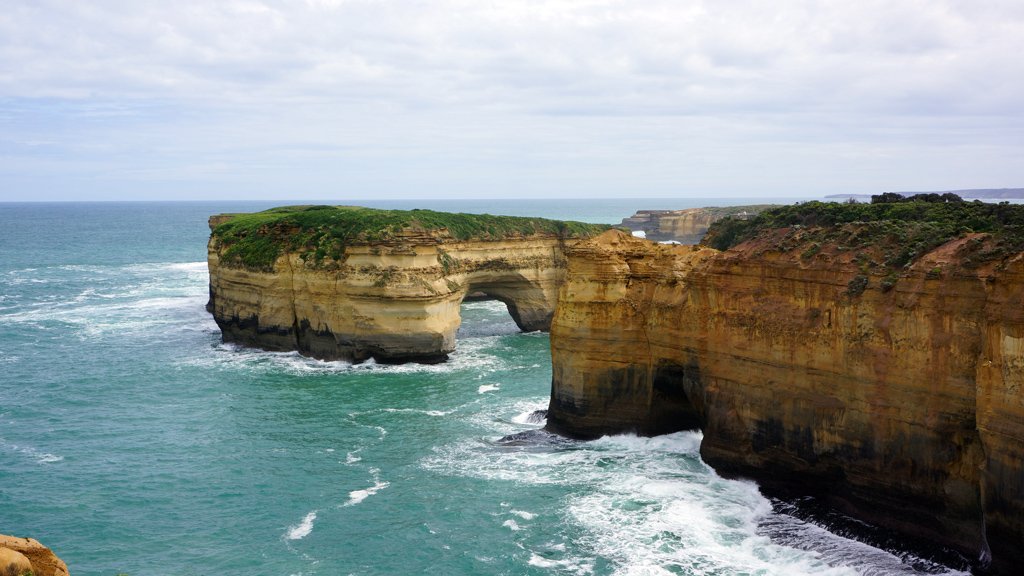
(395, 300)
(899, 403)
(683, 226)
(42, 559)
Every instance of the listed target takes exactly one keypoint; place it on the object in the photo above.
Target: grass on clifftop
(729, 210)
(257, 239)
(900, 229)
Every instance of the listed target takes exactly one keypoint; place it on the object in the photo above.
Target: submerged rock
(537, 416)
(534, 438)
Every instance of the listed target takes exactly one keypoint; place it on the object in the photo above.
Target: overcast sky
(354, 99)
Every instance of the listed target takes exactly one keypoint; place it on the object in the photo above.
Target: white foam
(47, 458)
(470, 355)
(573, 565)
(526, 416)
(651, 506)
(418, 411)
(40, 457)
(190, 266)
(302, 529)
(487, 388)
(357, 496)
(539, 562)
(511, 525)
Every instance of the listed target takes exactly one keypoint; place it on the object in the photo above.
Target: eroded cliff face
(894, 396)
(684, 226)
(395, 300)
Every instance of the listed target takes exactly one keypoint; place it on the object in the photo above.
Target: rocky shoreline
(874, 364)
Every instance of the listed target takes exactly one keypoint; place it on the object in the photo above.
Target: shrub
(857, 285)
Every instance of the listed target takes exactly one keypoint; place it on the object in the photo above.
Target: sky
(356, 99)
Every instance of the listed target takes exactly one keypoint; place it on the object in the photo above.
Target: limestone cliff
(343, 283)
(40, 560)
(891, 388)
(684, 226)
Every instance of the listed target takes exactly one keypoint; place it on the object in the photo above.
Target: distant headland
(979, 193)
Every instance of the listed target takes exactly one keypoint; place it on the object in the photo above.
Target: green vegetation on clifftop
(730, 210)
(890, 233)
(257, 239)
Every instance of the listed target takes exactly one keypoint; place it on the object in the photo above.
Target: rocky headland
(348, 283)
(685, 226)
(870, 355)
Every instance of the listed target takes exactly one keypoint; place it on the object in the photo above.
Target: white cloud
(616, 56)
(642, 87)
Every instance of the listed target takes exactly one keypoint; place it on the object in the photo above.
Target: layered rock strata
(896, 397)
(684, 226)
(41, 560)
(394, 299)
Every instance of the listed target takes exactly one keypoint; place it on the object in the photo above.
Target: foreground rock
(685, 226)
(892, 390)
(351, 283)
(19, 551)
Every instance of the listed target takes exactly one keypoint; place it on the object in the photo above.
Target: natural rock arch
(394, 301)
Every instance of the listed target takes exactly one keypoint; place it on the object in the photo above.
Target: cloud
(143, 86)
(619, 57)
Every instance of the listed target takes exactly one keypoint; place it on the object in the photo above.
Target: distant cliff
(983, 193)
(355, 283)
(685, 226)
(986, 193)
(872, 355)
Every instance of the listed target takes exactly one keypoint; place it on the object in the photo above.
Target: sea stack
(346, 283)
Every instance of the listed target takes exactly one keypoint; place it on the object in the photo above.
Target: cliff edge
(872, 355)
(686, 226)
(349, 283)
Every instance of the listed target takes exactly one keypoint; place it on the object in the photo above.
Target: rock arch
(396, 301)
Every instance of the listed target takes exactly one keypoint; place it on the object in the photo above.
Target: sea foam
(302, 529)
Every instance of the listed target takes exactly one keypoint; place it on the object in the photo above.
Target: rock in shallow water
(534, 438)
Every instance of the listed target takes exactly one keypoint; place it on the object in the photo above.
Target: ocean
(132, 440)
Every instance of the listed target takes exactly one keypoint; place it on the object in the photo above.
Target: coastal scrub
(257, 239)
(889, 234)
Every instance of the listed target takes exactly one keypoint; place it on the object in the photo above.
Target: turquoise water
(132, 440)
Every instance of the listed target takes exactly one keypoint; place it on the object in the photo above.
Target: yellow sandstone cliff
(684, 226)
(395, 299)
(25, 555)
(897, 397)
